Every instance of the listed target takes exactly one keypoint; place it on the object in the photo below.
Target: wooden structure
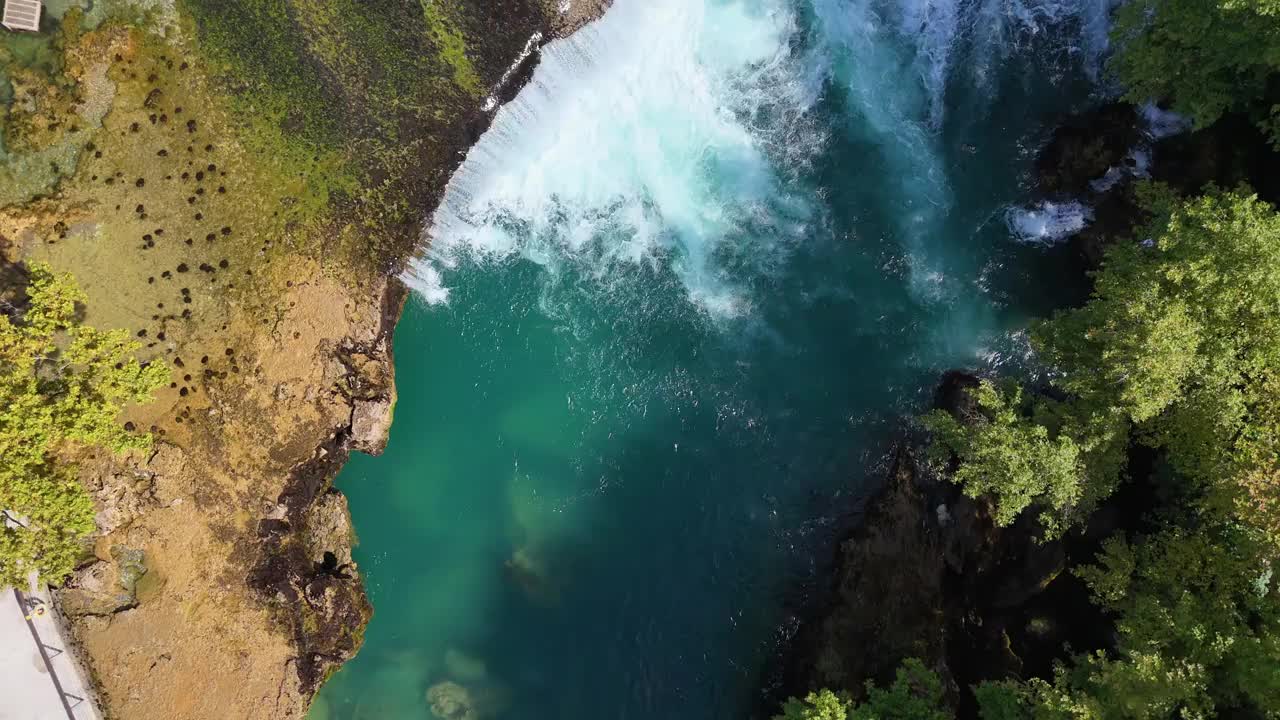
(22, 15)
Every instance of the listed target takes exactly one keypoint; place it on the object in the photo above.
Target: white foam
(1048, 222)
(1110, 179)
(1156, 124)
(530, 46)
(1160, 123)
(896, 60)
(645, 137)
(670, 132)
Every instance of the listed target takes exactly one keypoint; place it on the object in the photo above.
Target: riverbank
(243, 204)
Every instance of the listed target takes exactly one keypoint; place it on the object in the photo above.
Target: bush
(916, 694)
(61, 384)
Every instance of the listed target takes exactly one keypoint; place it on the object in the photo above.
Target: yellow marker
(37, 613)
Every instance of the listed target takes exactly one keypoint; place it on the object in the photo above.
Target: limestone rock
(104, 588)
(371, 424)
(122, 493)
(329, 529)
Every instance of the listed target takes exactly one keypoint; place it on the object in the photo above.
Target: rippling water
(673, 304)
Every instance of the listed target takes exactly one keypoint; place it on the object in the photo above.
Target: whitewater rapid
(675, 135)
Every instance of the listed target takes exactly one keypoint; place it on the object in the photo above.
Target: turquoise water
(675, 302)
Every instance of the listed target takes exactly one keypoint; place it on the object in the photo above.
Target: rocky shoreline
(927, 573)
(304, 563)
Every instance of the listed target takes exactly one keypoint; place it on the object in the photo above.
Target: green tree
(1182, 335)
(1198, 634)
(1181, 341)
(1007, 455)
(1207, 57)
(62, 385)
(821, 705)
(916, 694)
(1198, 620)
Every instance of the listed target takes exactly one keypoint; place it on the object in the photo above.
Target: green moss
(452, 46)
(362, 85)
(257, 47)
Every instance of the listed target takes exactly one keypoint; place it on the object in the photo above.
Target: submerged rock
(450, 701)
(463, 667)
(525, 570)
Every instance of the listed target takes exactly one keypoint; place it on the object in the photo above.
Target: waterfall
(642, 138)
(895, 60)
(686, 286)
(674, 133)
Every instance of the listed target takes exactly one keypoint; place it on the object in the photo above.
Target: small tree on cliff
(61, 384)
(1010, 457)
(916, 694)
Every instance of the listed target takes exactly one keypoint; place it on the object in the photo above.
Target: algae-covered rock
(527, 571)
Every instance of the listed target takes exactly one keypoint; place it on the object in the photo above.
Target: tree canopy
(1206, 57)
(62, 384)
(1006, 455)
(1178, 350)
(1183, 332)
(1177, 353)
(915, 694)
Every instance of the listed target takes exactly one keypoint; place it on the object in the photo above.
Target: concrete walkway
(39, 679)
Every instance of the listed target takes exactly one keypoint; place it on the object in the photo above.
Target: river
(675, 303)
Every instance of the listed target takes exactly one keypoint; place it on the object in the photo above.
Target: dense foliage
(62, 384)
(1177, 357)
(1182, 339)
(915, 694)
(1207, 57)
(1178, 353)
(1183, 332)
(1006, 455)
